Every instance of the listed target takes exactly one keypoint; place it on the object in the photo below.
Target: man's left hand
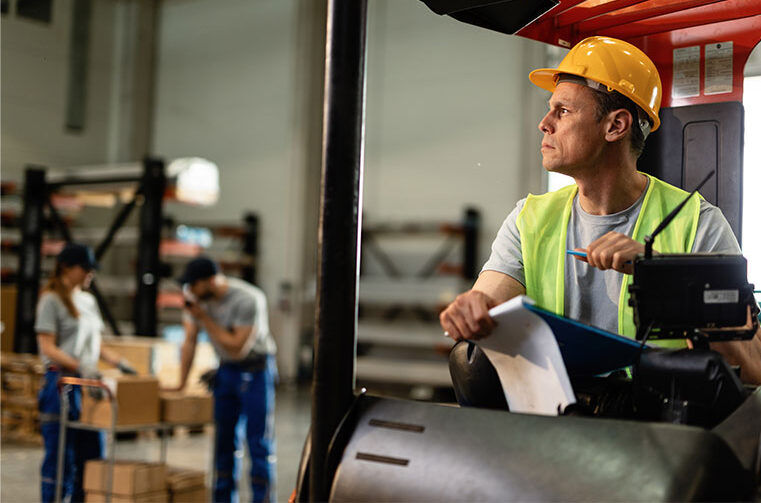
(613, 251)
(195, 309)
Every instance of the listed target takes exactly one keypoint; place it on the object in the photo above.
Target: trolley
(65, 384)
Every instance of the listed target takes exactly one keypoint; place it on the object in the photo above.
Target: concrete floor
(20, 464)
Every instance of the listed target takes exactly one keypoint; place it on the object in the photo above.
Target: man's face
(203, 289)
(573, 137)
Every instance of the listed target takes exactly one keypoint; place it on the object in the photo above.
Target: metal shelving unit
(400, 342)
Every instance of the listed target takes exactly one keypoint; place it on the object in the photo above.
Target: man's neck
(608, 190)
(221, 286)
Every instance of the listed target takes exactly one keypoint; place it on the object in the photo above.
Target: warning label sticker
(686, 66)
(718, 68)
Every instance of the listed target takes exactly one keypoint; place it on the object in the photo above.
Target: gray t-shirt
(77, 337)
(242, 305)
(591, 294)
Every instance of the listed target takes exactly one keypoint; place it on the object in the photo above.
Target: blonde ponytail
(56, 286)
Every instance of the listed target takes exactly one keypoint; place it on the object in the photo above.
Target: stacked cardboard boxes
(135, 481)
(22, 377)
(187, 486)
(132, 481)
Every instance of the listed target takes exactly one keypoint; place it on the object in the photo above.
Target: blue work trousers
(244, 401)
(81, 445)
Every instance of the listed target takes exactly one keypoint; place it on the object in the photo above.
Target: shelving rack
(150, 183)
(400, 343)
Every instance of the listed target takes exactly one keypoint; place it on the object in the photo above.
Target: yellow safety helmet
(616, 64)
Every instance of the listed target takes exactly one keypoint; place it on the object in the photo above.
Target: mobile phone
(190, 299)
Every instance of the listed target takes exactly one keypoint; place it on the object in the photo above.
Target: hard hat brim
(545, 78)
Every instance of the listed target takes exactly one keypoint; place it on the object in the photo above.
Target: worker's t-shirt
(77, 337)
(242, 305)
(591, 295)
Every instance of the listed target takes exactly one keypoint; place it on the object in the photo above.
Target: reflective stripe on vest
(543, 227)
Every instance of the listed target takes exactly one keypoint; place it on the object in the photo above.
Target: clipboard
(588, 350)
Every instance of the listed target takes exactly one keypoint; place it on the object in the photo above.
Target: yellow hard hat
(616, 64)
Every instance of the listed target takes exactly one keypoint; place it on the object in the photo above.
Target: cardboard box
(139, 351)
(130, 479)
(187, 486)
(8, 294)
(179, 408)
(183, 479)
(137, 399)
(193, 495)
(157, 497)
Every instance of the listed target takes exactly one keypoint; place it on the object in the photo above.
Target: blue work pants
(244, 401)
(81, 445)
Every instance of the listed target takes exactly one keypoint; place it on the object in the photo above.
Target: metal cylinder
(339, 231)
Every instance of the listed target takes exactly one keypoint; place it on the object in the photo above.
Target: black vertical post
(470, 251)
(339, 231)
(148, 264)
(32, 221)
(251, 246)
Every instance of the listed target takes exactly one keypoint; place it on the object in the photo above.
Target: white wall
(448, 110)
(227, 91)
(451, 118)
(35, 61)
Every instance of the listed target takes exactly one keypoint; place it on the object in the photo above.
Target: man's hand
(468, 316)
(195, 309)
(613, 251)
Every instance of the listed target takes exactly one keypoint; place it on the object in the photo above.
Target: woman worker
(68, 326)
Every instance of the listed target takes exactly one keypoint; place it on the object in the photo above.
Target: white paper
(528, 361)
(686, 68)
(718, 74)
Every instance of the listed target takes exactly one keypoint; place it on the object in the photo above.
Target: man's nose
(544, 124)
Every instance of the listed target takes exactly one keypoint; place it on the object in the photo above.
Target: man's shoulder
(243, 291)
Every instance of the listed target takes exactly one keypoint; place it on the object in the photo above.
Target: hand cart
(65, 384)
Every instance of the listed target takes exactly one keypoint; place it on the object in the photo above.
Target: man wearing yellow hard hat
(606, 94)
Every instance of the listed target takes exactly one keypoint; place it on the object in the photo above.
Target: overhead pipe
(581, 13)
(634, 15)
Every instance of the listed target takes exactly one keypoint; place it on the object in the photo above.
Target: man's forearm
(230, 342)
(187, 354)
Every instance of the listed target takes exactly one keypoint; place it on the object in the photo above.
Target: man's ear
(619, 122)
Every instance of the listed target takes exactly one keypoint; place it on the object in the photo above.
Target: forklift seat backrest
(692, 141)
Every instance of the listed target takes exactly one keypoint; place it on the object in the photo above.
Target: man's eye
(564, 111)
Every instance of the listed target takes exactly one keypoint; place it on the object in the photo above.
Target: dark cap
(198, 269)
(77, 254)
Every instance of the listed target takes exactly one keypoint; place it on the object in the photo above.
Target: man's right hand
(468, 316)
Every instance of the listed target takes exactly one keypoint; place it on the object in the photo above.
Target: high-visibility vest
(543, 226)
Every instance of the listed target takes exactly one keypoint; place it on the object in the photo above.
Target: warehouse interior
(96, 94)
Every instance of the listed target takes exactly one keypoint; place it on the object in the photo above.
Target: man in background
(234, 315)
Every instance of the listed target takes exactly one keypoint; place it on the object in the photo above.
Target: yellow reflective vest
(543, 227)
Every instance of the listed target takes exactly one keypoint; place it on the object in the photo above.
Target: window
(752, 178)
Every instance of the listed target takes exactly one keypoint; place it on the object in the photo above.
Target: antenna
(649, 239)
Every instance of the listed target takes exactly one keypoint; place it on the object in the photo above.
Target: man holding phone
(234, 315)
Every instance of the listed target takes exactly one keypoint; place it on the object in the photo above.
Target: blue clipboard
(588, 350)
